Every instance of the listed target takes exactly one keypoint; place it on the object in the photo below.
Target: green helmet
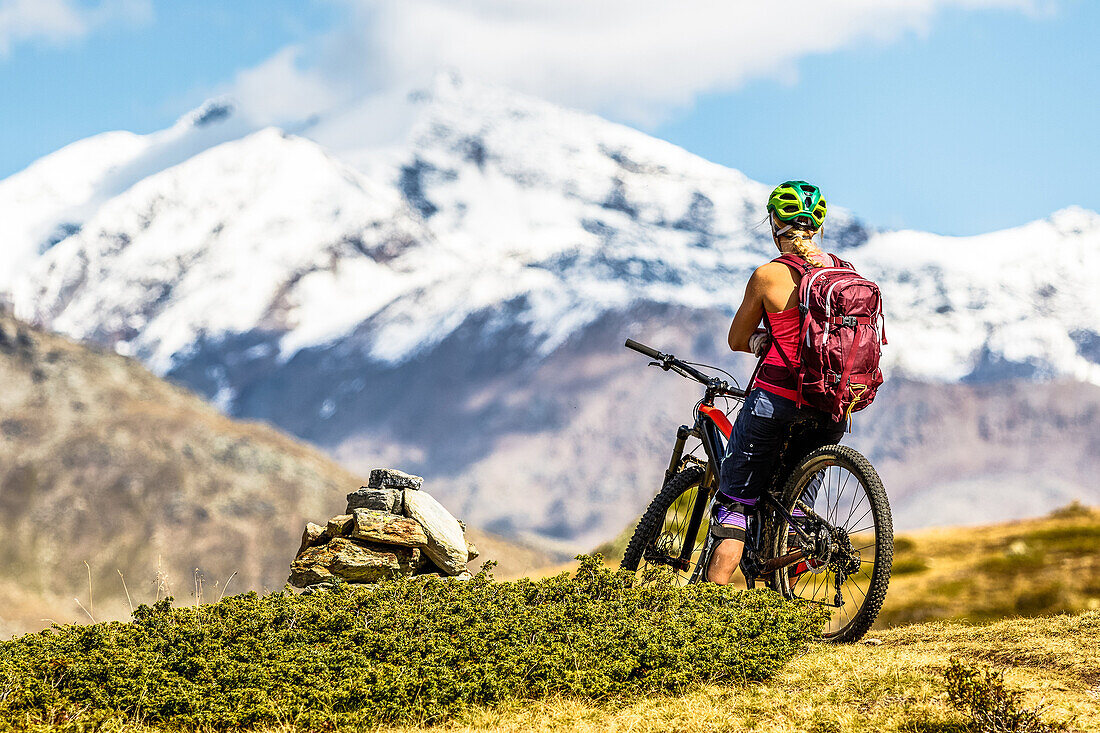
(798, 202)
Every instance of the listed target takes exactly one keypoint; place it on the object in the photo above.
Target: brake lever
(663, 364)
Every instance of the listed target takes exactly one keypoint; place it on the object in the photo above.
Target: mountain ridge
(429, 304)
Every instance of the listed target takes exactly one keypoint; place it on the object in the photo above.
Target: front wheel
(659, 551)
(843, 488)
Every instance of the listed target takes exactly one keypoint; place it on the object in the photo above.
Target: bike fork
(682, 434)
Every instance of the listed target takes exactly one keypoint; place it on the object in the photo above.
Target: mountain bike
(822, 533)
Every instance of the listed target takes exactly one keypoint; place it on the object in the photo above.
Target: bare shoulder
(772, 273)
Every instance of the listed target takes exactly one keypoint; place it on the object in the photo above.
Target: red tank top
(774, 376)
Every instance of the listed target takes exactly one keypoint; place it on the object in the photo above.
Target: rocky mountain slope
(103, 462)
(456, 305)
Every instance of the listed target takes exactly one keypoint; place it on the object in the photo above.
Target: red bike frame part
(718, 418)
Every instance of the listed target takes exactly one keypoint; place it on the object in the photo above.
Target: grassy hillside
(404, 650)
(894, 682)
(103, 462)
(895, 685)
(1027, 568)
(948, 600)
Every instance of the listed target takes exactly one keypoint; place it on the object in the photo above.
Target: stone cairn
(390, 528)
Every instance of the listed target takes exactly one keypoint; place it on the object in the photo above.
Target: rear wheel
(654, 551)
(841, 487)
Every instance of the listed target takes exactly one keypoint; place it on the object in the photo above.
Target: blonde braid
(802, 242)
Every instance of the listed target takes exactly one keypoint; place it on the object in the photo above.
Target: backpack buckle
(849, 321)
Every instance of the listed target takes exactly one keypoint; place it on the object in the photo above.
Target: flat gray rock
(446, 544)
(390, 529)
(383, 500)
(391, 478)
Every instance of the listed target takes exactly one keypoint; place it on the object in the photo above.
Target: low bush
(993, 707)
(903, 545)
(909, 566)
(399, 651)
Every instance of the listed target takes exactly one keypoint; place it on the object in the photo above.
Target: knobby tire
(851, 461)
(652, 524)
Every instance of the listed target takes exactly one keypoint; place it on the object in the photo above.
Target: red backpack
(838, 346)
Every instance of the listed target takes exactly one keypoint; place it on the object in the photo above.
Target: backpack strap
(796, 373)
(802, 267)
(796, 263)
(837, 262)
(845, 375)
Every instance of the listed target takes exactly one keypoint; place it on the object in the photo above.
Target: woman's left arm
(750, 313)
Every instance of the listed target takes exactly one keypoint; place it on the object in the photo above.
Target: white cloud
(279, 89)
(634, 59)
(57, 21)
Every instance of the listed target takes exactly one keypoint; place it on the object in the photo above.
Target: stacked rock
(390, 527)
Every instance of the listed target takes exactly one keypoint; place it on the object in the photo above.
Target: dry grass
(1027, 568)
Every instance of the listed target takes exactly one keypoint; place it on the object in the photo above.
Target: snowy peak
(46, 202)
(210, 112)
(499, 209)
(51, 199)
(1075, 221)
(1005, 304)
(226, 242)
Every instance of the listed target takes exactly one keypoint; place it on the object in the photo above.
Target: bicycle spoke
(857, 521)
(855, 495)
(842, 500)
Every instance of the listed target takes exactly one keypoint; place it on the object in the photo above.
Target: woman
(796, 211)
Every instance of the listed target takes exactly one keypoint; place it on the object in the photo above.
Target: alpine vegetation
(401, 650)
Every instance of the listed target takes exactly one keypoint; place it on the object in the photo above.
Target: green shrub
(993, 707)
(1076, 540)
(903, 545)
(1011, 565)
(909, 566)
(398, 651)
(1074, 510)
(1042, 598)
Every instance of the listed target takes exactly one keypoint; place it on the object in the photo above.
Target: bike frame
(710, 424)
(709, 432)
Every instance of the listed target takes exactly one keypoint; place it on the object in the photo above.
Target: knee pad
(728, 518)
(722, 511)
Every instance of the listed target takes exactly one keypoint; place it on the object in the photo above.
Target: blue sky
(958, 121)
(987, 122)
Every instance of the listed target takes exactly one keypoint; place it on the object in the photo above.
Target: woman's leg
(758, 434)
(727, 531)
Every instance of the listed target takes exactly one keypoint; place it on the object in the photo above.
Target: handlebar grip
(643, 349)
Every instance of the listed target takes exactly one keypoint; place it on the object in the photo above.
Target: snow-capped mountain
(50, 200)
(456, 303)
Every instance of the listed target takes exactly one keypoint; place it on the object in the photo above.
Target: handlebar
(643, 349)
(668, 361)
